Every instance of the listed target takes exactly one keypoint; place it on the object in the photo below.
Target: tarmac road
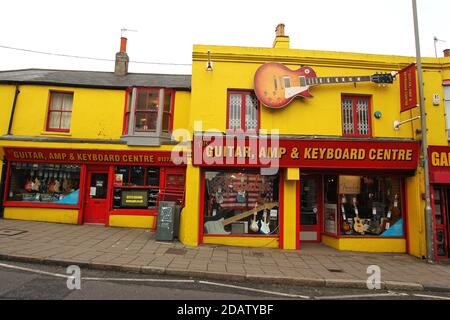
(30, 281)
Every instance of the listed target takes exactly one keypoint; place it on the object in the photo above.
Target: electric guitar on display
(254, 225)
(265, 229)
(217, 227)
(358, 225)
(276, 85)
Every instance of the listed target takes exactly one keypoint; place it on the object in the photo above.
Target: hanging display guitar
(276, 85)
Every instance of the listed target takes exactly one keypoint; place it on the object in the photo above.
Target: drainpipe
(13, 109)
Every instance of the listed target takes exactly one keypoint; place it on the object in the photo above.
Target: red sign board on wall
(159, 158)
(408, 88)
(228, 151)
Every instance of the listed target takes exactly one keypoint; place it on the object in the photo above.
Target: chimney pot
(281, 40)
(280, 30)
(447, 53)
(123, 44)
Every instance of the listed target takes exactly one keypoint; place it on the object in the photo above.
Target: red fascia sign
(290, 153)
(157, 158)
(408, 88)
(439, 164)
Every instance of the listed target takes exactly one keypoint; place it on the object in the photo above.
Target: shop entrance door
(310, 208)
(96, 204)
(441, 199)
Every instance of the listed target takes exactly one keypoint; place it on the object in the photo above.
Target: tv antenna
(123, 30)
(436, 40)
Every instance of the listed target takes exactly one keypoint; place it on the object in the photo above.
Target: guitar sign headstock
(384, 78)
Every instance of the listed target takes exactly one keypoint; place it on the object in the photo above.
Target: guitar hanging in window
(276, 85)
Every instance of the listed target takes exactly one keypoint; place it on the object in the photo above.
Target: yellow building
(344, 175)
(287, 146)
(91, 147)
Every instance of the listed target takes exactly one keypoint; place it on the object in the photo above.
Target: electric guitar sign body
(276, 85)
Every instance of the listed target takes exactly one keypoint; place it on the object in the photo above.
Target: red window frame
(243, 128)
(355, 99)
(60, 110)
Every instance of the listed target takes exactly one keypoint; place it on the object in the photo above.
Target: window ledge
(56, 133)
(148, 140)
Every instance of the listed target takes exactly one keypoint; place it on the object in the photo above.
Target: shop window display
(136, 187)
(44, 183)
(367, 206)
(241, 203)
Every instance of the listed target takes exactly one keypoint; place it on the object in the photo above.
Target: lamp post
(428, 212)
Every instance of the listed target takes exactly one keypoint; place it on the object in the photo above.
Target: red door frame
(87, 181)
(319, 196)
(443, 190)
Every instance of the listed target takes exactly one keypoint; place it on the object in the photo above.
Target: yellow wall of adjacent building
(130, 221)
(366, 245)
(69, 216)
(96, 113)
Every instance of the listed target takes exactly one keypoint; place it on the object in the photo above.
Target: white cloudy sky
(168, 29)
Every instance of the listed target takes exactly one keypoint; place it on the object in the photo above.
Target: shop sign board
(439, 162)
(292, 153)
(408, 88)
(159, 158)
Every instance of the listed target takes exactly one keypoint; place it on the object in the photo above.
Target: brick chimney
(447, 53)
(281, 40)
(121, 67)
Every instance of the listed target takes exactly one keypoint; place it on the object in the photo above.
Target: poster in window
(134, 198)
(330, 218)
(349, 185)
(118, 179)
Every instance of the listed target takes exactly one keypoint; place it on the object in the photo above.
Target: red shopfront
(439, 159)
(97, 183)
(339, 183)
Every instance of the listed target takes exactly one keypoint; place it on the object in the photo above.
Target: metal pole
(428, 212)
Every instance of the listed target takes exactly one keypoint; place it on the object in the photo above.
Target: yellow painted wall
(96, 113)
(234, 68)
(416, 216)
(69, 216)
(290, 215)
(190, 215)
(261, 242)
(366, 245)
(6, 102)
(129, 221)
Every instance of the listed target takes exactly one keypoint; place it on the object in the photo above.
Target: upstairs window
(356, 116)
(447, 107)
(148, 111)
(243, 111)
(59, 111)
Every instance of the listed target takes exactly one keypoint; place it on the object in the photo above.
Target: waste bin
(168, 221)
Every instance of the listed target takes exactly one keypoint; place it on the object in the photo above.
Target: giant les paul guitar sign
(276, 85)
